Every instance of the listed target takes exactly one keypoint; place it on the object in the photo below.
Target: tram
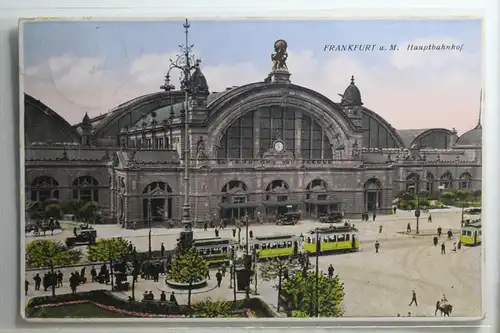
(471, 233)
(472, 214)
(215, 250)
(276, 246)
(333, 239)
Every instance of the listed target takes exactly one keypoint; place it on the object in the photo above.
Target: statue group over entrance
(280, 55)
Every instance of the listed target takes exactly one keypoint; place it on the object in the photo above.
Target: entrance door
(371, 200)
(282, 210)
(322, 210)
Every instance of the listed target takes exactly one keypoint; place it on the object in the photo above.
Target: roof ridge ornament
(279, 72)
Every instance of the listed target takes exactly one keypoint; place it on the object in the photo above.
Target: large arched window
(43, 188)
(157, 202)
(255, 132)
(465, 181)
(438, 140)
(446, 181)
(412, 183)
(375, 135)
(86, 188)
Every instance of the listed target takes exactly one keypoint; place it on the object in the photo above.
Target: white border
(9, 205)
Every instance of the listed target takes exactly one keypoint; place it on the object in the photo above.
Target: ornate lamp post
(186, 63)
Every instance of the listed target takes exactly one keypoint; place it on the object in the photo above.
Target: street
(376, 284)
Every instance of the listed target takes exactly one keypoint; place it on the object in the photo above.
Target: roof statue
(280, 55)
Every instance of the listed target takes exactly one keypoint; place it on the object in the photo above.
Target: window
(322, 197)
(43, 188)
(282, 198)
(85, 188)
(341, 238)
(239, 200)
(375, 135)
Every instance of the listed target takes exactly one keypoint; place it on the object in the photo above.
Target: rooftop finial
(352, 79)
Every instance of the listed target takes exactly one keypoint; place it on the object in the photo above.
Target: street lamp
(247, 291)
(417, 208)
(318, 251)
(149, 226)
(186, 63)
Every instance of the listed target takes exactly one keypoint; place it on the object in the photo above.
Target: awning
(322, 202)
(228, 205)
(281, 203)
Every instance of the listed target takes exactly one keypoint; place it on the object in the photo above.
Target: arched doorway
(413, 183)
(465, 181)
(373, 194)
(318, 200)
(157, 202)
(278, 198)
(235, 203)
(86, 188)
(43, 188)
(446, 181)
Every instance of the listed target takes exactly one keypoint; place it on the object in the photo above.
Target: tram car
(332, 239)
(216, 250)
(277, 246)
(471, 233)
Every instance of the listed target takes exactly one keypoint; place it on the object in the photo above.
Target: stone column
(256, 134)
(298, 133)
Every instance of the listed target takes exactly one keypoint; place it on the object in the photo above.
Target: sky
(92, 66)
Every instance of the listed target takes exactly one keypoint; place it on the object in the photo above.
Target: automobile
(82, 237)
(334, 217)
(290, 218)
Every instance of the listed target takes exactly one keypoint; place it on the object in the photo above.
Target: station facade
(260, 149)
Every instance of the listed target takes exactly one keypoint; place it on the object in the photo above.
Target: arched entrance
(446, 181)
(318, 200)
(278, 199)
(412, 183)
(235, 202)
(373, 194)
(157, 202)
(43, 188)
(86, 188)
(465, 181)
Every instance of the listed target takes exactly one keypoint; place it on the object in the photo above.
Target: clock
(279, 146)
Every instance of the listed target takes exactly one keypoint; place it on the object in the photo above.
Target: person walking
(218, 276)
(377, 246)
(331, 270)
(429, 219)
(380, 229)
(413, 298)
(443, 249)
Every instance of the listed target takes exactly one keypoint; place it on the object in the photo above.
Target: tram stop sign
(417, 213)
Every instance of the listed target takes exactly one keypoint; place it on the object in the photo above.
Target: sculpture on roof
(280, 55)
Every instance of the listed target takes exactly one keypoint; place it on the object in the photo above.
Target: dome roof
(472, 137)
(198, 81)
(352, 95)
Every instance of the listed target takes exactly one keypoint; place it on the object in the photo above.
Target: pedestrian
(26, 287)
(205, 226)
(455, 246)
(331, 270)
(377, 246)
(208, 274)
(38, 281)
(450, 234)
(93, 273)
(429, 219)
(216, 232)
(374, 216)
(395, 209)
(435, 240)
(408, 228)
(162, 250)
(173, 299)
(60, 277)
(218, 276)
(413, 298)
(380, 229)
(439, 230)
(443, 248)
(134, 226)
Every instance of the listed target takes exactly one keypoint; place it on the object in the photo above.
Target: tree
(88, 210)
(49, 253)
(53, 210)
(212, 309)
(299, 292)
(188, 267)
(109, 249)
(274, 271)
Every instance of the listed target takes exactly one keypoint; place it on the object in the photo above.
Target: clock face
(279, 146)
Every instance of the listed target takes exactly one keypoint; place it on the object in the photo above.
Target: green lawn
(86, 310)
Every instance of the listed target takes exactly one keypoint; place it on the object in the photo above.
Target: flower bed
(124, 313)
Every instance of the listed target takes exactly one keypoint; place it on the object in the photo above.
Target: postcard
(190, 168)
